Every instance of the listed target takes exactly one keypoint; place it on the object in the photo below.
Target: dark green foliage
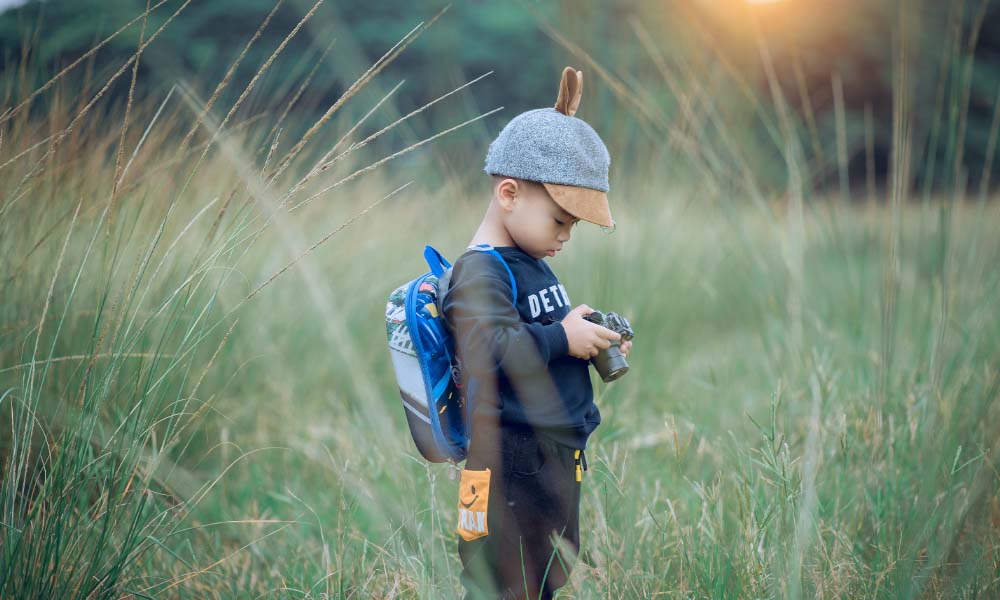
(810, 44)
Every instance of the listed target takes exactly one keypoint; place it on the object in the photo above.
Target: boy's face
(538, 225)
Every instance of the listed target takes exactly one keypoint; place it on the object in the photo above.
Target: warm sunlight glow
(763, 1)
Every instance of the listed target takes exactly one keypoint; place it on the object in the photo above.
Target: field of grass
(197, 400)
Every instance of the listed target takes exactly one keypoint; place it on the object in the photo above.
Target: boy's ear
(506, 192)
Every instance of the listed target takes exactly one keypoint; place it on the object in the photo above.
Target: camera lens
(610, 363)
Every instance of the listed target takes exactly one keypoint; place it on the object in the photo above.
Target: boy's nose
(563, 236)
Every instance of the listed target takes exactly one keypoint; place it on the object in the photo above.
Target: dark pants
(533, 517)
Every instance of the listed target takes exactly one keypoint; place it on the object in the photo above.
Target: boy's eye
(560, 223)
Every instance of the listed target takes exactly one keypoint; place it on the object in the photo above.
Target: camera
(610, 363)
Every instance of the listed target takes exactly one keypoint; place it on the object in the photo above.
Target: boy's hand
(626, 347)
(586, 339)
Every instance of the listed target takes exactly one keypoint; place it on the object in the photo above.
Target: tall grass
(200, 402)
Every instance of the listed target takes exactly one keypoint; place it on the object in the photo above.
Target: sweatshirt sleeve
(489, 333)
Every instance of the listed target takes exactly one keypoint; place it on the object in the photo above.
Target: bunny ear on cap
(570, 91)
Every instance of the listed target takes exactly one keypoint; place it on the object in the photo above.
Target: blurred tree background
(661, 77)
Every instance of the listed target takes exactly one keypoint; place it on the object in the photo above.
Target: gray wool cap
(547, 146)
(560, 151)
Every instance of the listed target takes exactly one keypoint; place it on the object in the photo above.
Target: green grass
(750, 451)
(811, 410)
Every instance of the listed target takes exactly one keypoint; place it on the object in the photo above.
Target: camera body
(610, 363)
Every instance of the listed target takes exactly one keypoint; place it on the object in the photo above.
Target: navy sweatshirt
(517, 352)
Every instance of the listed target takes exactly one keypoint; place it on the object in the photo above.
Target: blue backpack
(423, 358)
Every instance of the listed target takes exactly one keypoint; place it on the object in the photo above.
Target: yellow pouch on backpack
(473, 499)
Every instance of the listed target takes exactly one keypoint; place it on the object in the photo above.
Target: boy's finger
(607, 334)
(603, 332)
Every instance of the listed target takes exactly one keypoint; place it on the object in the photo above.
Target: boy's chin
(539, 253)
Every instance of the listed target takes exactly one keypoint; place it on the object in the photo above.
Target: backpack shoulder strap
(491, 250)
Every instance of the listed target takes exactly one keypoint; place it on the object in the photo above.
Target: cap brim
(583, 203)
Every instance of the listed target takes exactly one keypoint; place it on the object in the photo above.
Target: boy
(524, 354)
